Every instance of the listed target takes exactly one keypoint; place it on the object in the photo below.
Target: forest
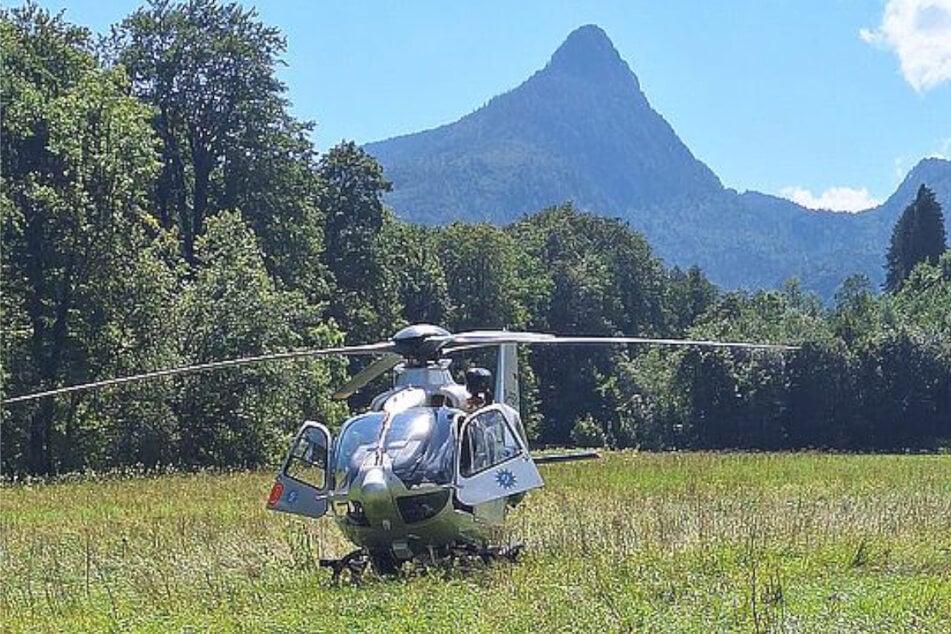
(162, 207)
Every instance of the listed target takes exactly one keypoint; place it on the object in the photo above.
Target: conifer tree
(918, 236)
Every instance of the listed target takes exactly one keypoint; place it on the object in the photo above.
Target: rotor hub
(420, 343)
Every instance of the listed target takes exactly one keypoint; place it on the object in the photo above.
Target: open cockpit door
(303, 483)
(493, 461)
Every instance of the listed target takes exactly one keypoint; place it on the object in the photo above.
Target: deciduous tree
(84, 272)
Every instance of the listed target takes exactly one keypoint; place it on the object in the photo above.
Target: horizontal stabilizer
(565, 457)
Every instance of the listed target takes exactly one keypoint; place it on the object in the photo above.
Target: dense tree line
(161, 207)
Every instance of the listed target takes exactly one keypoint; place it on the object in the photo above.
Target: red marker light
(276, 492)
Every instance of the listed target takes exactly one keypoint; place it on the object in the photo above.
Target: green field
(633, 542)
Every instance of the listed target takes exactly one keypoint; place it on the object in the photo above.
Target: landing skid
(354, 563)
(463, 555)
(466, 552)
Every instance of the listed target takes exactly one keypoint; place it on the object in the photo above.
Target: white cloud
(834, 198)
(919, 32)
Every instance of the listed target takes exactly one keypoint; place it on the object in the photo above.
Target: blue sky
(812, 98)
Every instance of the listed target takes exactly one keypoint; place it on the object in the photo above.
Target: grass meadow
(632, 542)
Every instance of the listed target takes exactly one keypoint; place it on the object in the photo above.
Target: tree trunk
(38, 462)
(41, 462)
(202, 164)
(47, 345)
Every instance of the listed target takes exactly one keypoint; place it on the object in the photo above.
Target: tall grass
(632, 542)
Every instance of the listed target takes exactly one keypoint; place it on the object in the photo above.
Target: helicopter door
(493, 460)
(303, 483)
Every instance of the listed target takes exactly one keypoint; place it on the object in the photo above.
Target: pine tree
(918, 236)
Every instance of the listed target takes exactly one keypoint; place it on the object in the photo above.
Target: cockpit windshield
(358, 439)
(420, 445)
(417, 442)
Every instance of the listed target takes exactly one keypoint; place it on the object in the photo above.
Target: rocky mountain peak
(588, 52)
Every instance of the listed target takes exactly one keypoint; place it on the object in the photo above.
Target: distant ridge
(582, 130)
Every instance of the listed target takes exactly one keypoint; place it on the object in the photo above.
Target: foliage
(688, 295)
(490, 279)
(208, 70)
(588, 433)
(918, 236)
(413, 255)
(242, 417)
(84, 264)
(603, 280)
(365, 301)
(94, 288)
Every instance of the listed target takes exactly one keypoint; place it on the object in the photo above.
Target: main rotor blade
(484, 338)
(481, 339)
(366, 375)
(373, 348)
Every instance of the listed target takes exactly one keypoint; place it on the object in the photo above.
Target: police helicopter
(430, 470)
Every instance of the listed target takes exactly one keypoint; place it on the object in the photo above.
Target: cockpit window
(307, 461)
(407, 434)
(358, 439)
(417, 442)
(420, 445)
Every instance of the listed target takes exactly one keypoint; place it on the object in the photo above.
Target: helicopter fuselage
(403, 494)
(428, 467)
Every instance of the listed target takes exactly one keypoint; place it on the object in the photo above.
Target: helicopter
(431, 469)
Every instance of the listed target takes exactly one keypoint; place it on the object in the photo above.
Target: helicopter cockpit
(416, 442)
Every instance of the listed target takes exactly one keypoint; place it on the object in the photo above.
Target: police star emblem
(505, 478)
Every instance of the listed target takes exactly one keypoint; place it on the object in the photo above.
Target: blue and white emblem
(292, 497)
(505, 478)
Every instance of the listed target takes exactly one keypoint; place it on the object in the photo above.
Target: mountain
(582, 130)
(935, 173)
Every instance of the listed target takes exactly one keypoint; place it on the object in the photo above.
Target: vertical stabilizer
(506, 377)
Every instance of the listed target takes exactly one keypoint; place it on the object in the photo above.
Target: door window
(486, 442)
(308, 459)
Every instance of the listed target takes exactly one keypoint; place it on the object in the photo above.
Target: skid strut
(487, 554)
(355, 563)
